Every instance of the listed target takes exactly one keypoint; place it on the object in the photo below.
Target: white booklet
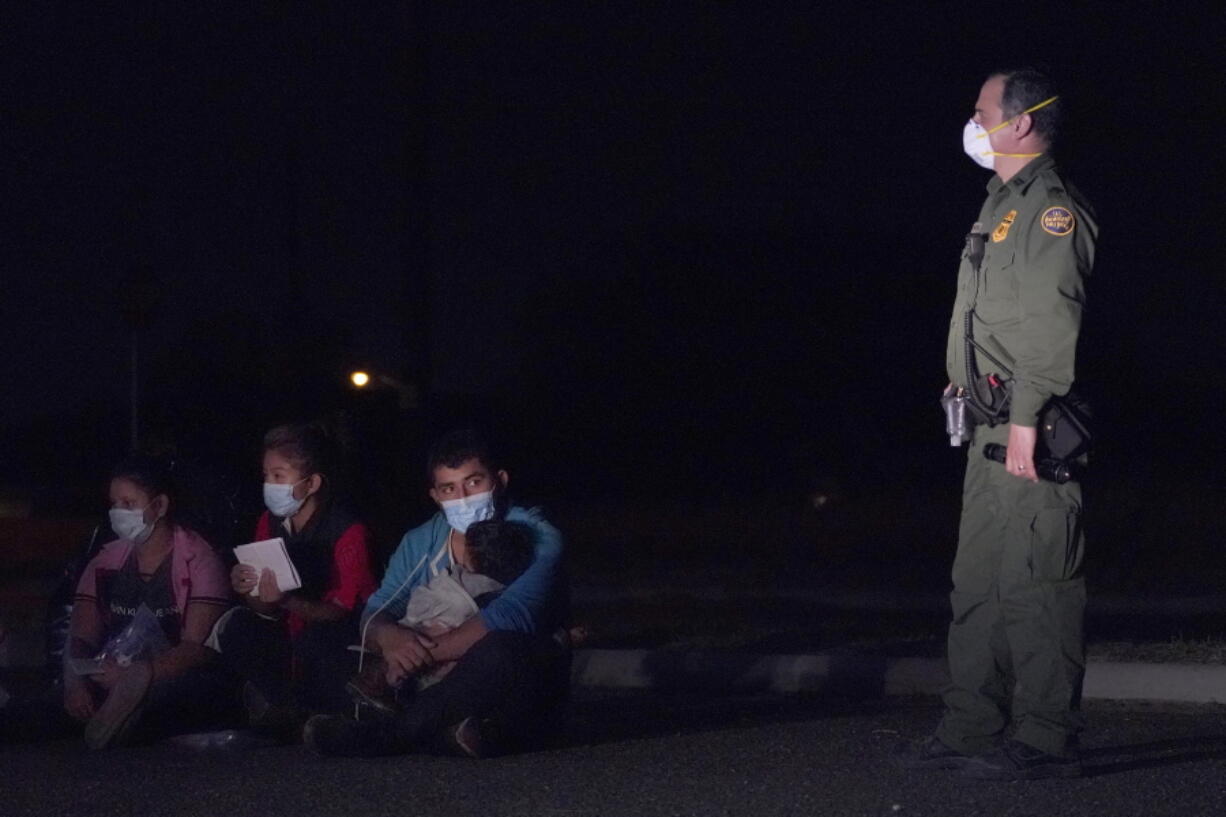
(271, 554)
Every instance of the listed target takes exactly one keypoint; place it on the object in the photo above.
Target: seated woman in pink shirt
(156, 568)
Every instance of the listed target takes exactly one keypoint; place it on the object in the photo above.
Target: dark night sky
(677, 238)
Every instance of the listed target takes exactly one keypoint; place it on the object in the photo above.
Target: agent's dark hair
(455, 448)
(500, 550)
(1027, 87)
(153, 476)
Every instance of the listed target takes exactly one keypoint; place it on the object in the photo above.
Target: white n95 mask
(975, 143)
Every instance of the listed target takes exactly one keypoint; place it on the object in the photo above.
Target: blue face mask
(465, 511)
(280, 500)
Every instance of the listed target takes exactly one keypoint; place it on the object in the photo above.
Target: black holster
(1063, 424)
(1064, 427)
(988, 400)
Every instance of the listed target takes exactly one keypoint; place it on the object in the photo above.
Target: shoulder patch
(1058, 220)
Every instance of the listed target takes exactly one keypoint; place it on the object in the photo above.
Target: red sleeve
(352, 579)
(263, 528)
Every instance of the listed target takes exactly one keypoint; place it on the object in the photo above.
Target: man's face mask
(465, 511)
(977, 145)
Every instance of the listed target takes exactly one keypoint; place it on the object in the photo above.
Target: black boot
(929, 753)
(1021, 761)
(342, 736)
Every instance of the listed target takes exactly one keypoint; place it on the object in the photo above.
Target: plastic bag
(142, 638)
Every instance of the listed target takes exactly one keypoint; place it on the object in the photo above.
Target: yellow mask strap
(1042, 104)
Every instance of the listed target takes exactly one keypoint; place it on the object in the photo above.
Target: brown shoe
(370, 687)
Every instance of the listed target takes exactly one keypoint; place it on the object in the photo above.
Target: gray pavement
(658, 754)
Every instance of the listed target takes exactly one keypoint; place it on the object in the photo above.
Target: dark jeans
(201, 699)
(520, 682)
(309, 670)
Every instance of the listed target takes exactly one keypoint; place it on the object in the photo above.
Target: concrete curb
(866, 675)
(894, 601)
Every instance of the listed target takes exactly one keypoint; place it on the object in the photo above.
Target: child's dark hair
(153, 476)
(500, 550)
(308, 446)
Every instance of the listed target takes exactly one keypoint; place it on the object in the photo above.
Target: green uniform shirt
(1029, 291)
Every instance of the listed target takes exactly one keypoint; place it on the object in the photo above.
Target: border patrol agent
(1016, 642)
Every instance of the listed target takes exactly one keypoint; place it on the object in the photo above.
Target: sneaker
(112, 723)
(341, 736)
(1021, 761)
(929, 753)
(471, 738)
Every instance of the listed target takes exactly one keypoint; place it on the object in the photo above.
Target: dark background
(690, 253)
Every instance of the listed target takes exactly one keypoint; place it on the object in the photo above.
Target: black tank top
(129, 590)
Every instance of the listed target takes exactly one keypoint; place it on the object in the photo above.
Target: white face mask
(465, 511)
(280, 500)
(975, 143)
(129, 523)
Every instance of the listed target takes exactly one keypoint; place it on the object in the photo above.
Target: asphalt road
(638, 754)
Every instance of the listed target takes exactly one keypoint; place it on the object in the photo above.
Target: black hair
(455, 448)
(153, 476)
(500, 550)
(1025, 88)
(309, 447)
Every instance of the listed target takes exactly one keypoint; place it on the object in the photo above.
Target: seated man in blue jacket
(511, 673)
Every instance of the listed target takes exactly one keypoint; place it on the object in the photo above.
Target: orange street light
(406, 395)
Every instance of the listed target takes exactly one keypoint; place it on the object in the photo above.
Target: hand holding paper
(266, 588)
(271, 554)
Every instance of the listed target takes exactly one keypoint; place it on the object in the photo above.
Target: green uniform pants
(1017, 639)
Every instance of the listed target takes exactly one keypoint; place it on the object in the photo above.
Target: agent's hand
(1019, 457)
(79, 699)
(405, 652)
(269, 592)
(243, 578)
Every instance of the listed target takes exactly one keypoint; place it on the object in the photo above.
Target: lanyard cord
(972, 371)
